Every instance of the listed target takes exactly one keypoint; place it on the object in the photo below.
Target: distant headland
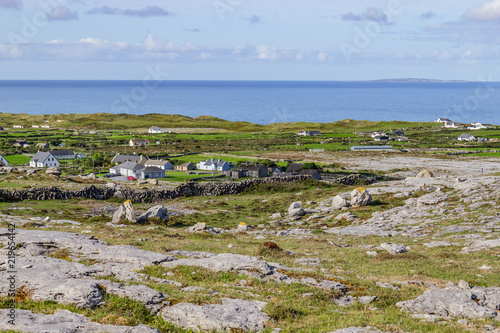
(416, 80)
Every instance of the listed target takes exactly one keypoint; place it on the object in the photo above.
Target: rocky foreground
(435, 212)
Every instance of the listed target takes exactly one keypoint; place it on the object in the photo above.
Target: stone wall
(143, 196)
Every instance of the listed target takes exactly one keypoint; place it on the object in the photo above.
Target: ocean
(261, 102)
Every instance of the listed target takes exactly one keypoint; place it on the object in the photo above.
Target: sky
(249, 39)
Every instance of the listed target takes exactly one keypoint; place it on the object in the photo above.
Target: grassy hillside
(106, 121)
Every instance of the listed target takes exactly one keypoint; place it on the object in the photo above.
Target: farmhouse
(138, 142)
(253, 170)
(443, 120)
(3, 161)
(311, 172)
(186, 166)
(119, 158)
(137, 171)
(294, 167)
(164, 165)
(21, 144)
(63, 154)
(309, 133)
(476, 126)
(42, 145)
(214, 165)
(44, 160)
(466, 137)
(18, 126)
(450, 124)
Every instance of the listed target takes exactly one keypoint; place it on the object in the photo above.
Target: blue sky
(250, 39)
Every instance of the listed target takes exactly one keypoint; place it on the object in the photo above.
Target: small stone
(463, 322)
(464, 285)
(372, 253)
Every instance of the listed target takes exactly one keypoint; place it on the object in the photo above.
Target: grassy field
(17, 159)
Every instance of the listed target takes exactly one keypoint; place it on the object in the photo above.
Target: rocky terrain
(418, 254)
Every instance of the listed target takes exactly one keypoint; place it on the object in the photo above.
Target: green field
(17, 159)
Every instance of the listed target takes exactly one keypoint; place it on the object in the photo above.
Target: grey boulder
(231, 315)
(338, 202)
(157, 212)
(360, 197)
(125, 211)
(63, 321)
(393, 248)
(296, 210)
(455, 302)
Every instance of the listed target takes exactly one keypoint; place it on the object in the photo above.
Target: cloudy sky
(250, 39)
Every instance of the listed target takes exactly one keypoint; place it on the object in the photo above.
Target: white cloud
(149, 11)
(62, 13)
(487, 12)
(11, 4)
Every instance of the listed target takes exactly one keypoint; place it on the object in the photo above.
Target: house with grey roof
(309, 133)
(253, 170)
(313, 173)
(466, 137)
(164, 165)
(63, 154)
(215, 165)
(44, 160)
(120, 158)
(137, 170)
(138, 142)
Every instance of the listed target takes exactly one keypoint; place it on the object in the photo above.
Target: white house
(476, 126)
(18, 126)
(155, 130)
(44, 160)
(137, 171)
(443, 120)
(214, 165)
(309, 133)
(450, 124)
(164, 165)
(3, 161)
(466, 137)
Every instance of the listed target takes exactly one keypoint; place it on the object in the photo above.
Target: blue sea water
(261, 102)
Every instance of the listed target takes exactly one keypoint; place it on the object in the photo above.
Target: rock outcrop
(231, 315)
(360, 197)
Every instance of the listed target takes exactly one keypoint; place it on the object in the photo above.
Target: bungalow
(309, 133)
(253, 170)
(311, 172)
(398, 133)
(164, 165)
(44, 160)
(381, 138)
(35, 126)
(476, 126)
(137, 171)
(45, 126)
(3, 161)
(466, 137)
(119, 158)
(185, 166)
(155, 130)
(18, 126)
(63, 154)
(443, 120)
(138, 142)
(42, 145)
(450, 124)
(214, 165)
(80, 155)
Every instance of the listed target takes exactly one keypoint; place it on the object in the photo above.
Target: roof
(466, 135)
(139, 140)
(250, 167)
(308, 171)
(123, 158)
(150, 169)
(185, 164)
(295, 167)
(217, 163)
(41, 156)
(157, 162)
(130, 166)
(62, 152)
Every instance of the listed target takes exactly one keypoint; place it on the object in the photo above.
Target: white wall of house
(4, 161)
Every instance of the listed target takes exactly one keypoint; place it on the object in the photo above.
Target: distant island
(416, 80)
